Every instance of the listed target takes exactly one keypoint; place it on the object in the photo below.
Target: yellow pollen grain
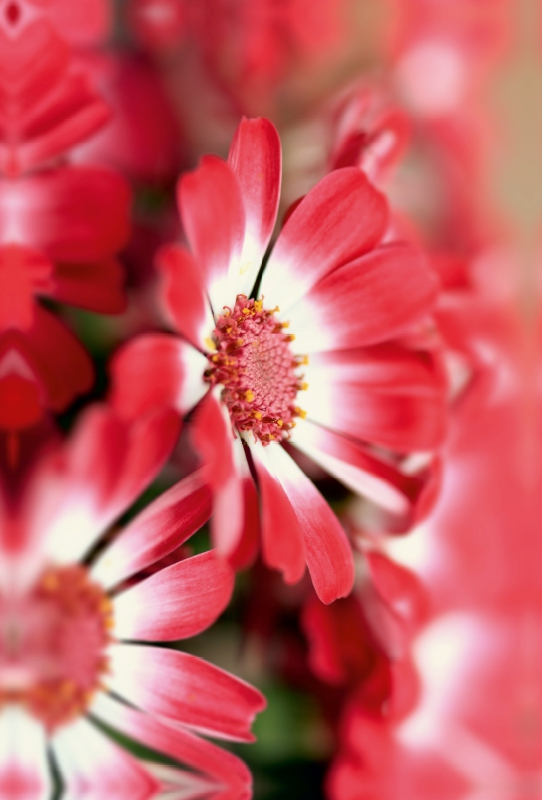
(50, 582)
(300, 413)
(245, 311)
(290, 337)
(303, 386)
(258, 305)
(279, 422)
(258, 414)
(249, 395)
(210, 343)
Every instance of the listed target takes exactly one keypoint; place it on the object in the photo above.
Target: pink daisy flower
(311, 354)
(79, 616)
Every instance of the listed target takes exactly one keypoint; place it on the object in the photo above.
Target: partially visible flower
(368, 131)
(80, 615)
(351, 393)
(248, 47)
(61, 225)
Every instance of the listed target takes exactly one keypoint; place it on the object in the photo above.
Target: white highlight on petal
(178, 784)
(23, 754)
(193, 388)
(416, 551)
(433, 77)
(244, 271)
(357, 480)
(272, 287)
(445, 655)
(307, 323)
(93, 766)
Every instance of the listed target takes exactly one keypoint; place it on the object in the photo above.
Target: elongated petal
(213, 215)
(357, 305)
(105, 466)
(156, 371)
(78, 214)
(222, 766)
(255, 158)
(362, 472)
(91, 764)
(158, 530)
(213, 437)
(185, 690)
(24, 770)
(174, 603)
(327, 551)
(61, 363)
(283, 547)
(342, 218)
(388, 397)
(185, 295)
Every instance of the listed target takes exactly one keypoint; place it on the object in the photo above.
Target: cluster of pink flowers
(296, 392)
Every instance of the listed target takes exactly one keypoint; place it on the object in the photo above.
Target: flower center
(255, 365)
(52, 645)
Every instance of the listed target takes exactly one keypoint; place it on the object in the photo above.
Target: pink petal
(342, 218)
(354, 466)
(213, 216)
(92, 765)
(255, 157)
(283, 547)
(388, 397)
(156, 371)
(185, 690)
(98, 287)
(78, 214)
(327, 551)
(357, 305)
(213, 438)
(24, 274)
(176, 602)
(222, 766)
(73, 114)
(60, 362)
(106, 464)
(158, 530)
(185, 295)
(24, 768)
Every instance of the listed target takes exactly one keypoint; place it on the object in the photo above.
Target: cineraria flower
(78, 620)
(308, 354)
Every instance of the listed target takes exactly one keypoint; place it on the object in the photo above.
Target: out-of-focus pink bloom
(59, 233)
(442, 52)
(73, 600)
(83, 23)
(477, 655)
(369, 132)
(142, 138)
(47, 104)
(61, 225)
(348, 381)
(248, 46)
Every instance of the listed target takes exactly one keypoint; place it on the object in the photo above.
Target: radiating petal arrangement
(269, 401)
